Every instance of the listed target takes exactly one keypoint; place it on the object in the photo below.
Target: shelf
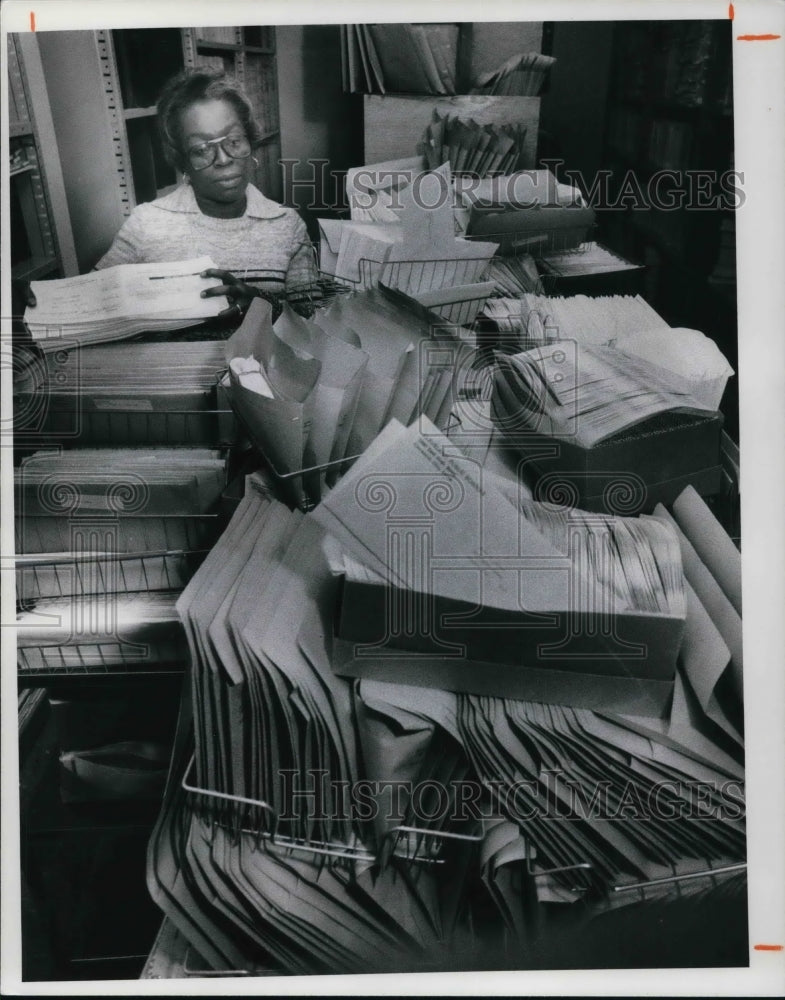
(203, 44)
(24, 169)
(19, 128)
(139, 112)
(33, 268)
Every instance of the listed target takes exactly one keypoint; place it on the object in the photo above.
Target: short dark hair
(190, 87)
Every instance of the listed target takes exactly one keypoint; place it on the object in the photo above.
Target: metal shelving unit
(41, 239)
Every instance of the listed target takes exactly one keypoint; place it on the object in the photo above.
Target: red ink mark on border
(757, 38)
(32, 20)
(731, 11)
(768, 947)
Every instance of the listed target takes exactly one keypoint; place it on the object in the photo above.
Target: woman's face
(223, 183)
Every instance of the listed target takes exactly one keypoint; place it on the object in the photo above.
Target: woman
(260, 247)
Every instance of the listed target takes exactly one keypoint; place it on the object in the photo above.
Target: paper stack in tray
(135, 393)
(141, 499)
(417, 252)
(503, 598)
(160, 373)
(526, 211)
(121, 301)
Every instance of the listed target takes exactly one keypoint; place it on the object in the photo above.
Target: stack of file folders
(279, 845)
(123, 394)
(314, 394)
(399, 58)
(124, 500)
(469, 148)
(524, 74)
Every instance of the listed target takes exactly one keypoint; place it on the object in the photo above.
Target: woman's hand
(238, 292)
(23, 293)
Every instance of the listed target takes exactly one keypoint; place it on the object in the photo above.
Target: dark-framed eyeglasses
(203, 154)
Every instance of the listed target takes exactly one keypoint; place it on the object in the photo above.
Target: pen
(165, 277)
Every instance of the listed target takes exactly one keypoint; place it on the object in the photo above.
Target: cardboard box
(535, 230)
(628, 695)
(382, 621)
(628, 473)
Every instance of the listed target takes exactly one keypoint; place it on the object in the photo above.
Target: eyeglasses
(204, 154)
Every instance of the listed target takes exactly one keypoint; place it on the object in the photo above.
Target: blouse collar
(183, 200)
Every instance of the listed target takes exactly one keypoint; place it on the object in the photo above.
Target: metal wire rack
(416, 276)
(66, 574)
(256, 818)
(42, 533)
(86, 588)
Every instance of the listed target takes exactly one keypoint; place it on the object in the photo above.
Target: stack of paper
(582, 394)
(117, 371)
(589, 320)
(128, 500)
(687, 358)
(469, 148)
(121, 301)
(314, 394)
(399, 58)
(589, 258)
(524, 74)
